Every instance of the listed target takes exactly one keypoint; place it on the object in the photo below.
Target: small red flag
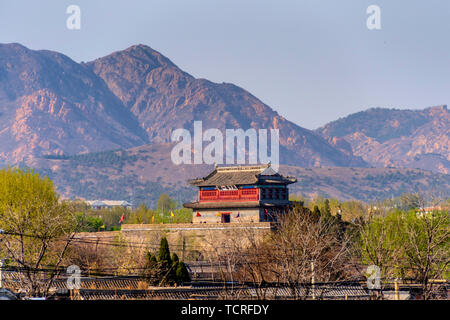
(123, 217)
(198, 214)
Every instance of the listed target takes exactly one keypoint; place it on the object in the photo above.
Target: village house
(254, 193)
(108, 204)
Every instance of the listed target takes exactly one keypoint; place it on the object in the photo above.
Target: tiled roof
(6, 294)
(153, 294)
(218, 292)
(106, 283)
(241, 175)
(323, 291)
(12, 279)
(109, 288)
(128, 288)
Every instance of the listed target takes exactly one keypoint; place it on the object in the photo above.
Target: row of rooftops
(111, 288)
(109, 203)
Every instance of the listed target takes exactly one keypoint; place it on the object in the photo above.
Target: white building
(101, 204)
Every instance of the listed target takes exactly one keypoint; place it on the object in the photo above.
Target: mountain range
(395, 138)
(57, 114)
(51, 105)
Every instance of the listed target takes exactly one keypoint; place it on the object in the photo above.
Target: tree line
(316, 245)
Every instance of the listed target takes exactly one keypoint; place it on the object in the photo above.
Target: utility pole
(313, 280)
(1, 274)
(132, 198)
(397, 297)
(1, 266)
(183, 248)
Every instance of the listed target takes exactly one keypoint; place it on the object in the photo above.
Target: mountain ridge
(164, 97)
(51, 105)
(395, 138)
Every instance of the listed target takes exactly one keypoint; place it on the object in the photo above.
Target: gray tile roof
(6, 294)
(241, 175)
(110, 288)
(219, 292)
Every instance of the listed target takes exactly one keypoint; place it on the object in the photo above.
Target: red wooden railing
(229, 195)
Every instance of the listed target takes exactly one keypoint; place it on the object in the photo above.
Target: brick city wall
(192, 241)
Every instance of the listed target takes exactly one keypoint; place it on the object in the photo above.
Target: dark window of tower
(226, 217)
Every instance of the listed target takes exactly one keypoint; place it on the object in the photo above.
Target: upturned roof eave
(205, 183)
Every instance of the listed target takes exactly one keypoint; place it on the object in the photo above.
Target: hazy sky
(312, 61)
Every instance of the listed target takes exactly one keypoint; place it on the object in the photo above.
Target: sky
(312, 61)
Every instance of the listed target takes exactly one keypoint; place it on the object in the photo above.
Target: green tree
(327, 209)
(316, 211)
(140, 215)
(380, 242)
(150, 260)
(182, 274)
(38, 228)
(175, 258)
(408, 244)
(95, 223)
(165, 203)
(411, 201)
(426, 246)
(153, 271)
(162, 269)
(352, 209)
(164, 252)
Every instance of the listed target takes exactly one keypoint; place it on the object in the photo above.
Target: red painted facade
(251, 194)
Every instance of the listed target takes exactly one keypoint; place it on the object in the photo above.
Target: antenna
(132, 198)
